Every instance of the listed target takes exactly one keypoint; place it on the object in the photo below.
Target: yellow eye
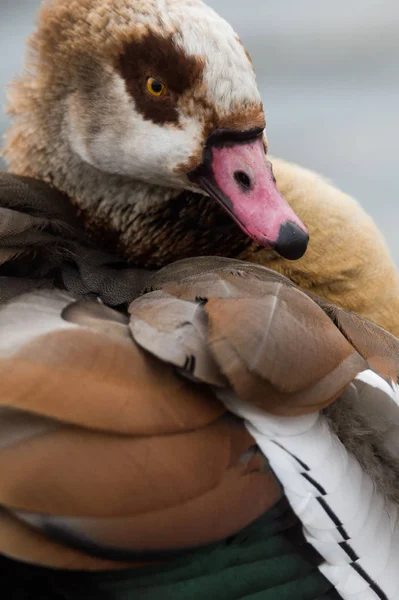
(156, 87)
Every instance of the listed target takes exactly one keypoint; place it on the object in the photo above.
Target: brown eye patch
(158, 57)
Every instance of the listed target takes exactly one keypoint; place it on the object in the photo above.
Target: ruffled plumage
(95, 400)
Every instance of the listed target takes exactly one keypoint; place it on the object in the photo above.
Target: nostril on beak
(243, 180)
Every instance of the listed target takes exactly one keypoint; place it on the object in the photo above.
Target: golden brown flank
(347, 261)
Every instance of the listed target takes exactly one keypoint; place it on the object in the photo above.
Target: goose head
(148, 113)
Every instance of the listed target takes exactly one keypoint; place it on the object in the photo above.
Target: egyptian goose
(83, 405)
(85, 122)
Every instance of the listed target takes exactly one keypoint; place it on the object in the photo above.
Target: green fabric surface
(269, 560)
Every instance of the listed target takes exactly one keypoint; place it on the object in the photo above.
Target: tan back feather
(275, 346)
(110, 448)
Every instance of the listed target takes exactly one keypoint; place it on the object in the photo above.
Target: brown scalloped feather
(214, 276)
(175, 331)
(275, 345)
(379, 347)
(204, 519)
(135, 474)
(287, 359)
(20, 542)
(75, 374)
(109, 442)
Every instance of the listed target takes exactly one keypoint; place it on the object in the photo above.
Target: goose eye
(156, 87)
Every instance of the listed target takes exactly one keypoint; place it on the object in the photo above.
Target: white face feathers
(146, 114)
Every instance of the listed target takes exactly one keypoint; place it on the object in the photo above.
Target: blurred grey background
(329, 77)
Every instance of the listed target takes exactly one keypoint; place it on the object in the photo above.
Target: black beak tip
(292, 241)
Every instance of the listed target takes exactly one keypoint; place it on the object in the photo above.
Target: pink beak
(236, 173)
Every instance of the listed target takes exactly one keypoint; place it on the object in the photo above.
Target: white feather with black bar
(344, 516)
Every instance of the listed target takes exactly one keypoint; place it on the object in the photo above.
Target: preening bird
(114, 109)
(139, 140)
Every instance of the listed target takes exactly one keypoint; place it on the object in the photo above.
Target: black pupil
(156, 87)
